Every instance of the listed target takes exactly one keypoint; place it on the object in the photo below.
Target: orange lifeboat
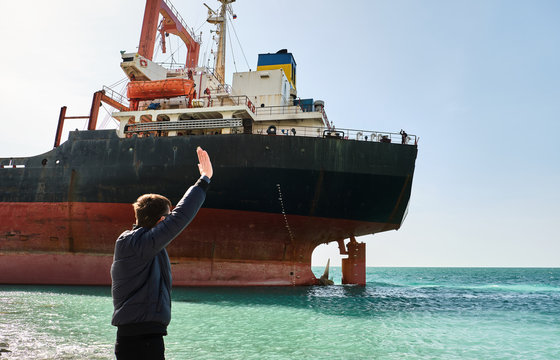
(149, 90)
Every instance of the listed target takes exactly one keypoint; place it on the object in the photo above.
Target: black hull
(328, 178)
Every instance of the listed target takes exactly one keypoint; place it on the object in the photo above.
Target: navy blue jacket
(141, 272)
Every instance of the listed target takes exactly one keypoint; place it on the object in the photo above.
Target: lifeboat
(148, 90)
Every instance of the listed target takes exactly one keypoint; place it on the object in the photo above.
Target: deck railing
(279, 110)
(229, 100)
(337, 134)
(309, 131)
(113, 94)
(183, 24)
(290, 110)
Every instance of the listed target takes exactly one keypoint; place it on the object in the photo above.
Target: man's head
(149, 208)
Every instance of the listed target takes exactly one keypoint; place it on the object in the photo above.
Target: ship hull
(272, 201)
(91, 269)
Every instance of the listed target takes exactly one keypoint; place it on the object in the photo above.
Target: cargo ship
(285, 180)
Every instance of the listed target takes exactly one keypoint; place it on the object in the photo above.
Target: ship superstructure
(286, 180)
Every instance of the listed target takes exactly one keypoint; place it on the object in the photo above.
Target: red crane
(172, 24)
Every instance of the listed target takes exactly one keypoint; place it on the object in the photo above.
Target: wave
(522, 288)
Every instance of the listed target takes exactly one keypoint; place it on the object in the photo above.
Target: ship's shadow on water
(337, 300)
(347, 300)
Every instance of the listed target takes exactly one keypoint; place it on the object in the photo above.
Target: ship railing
(12, 166)
(228, 100)
(202, 102)
(326, 119)
(337, 134)
(171, 66)
(196, 38)
(293, 109)
(222, 87)
(14, 163)
(280, 110)
(118, 97)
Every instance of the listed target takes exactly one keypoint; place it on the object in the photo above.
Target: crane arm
(173, 24)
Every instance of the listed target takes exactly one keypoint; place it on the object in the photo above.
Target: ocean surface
(402, 313)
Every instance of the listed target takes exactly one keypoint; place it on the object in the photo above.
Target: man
(141, 272)
(403, 136)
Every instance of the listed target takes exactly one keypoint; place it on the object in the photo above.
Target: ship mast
(220, 21)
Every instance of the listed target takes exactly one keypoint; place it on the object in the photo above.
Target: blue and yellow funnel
(281, 60)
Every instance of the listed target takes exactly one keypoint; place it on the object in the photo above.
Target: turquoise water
(402, 313)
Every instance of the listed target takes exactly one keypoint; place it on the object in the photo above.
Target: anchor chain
(292, 240)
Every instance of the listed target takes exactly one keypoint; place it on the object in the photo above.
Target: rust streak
(71, 190)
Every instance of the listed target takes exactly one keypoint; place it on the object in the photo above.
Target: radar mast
(219, 19)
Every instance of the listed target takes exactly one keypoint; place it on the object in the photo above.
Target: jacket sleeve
(155, 239)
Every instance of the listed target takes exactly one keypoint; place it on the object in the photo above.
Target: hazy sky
(478, 81)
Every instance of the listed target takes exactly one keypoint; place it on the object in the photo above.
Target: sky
(477, 81)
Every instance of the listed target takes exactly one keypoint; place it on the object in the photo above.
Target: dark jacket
(141, 272)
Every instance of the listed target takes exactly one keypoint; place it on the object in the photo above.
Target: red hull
(72, 243)
(90, 269)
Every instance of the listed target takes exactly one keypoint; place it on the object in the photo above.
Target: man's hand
(204, 164)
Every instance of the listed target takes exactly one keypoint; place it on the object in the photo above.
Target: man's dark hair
(149, 208)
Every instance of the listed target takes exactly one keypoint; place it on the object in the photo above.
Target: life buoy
(250, 106)
(143, 63)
